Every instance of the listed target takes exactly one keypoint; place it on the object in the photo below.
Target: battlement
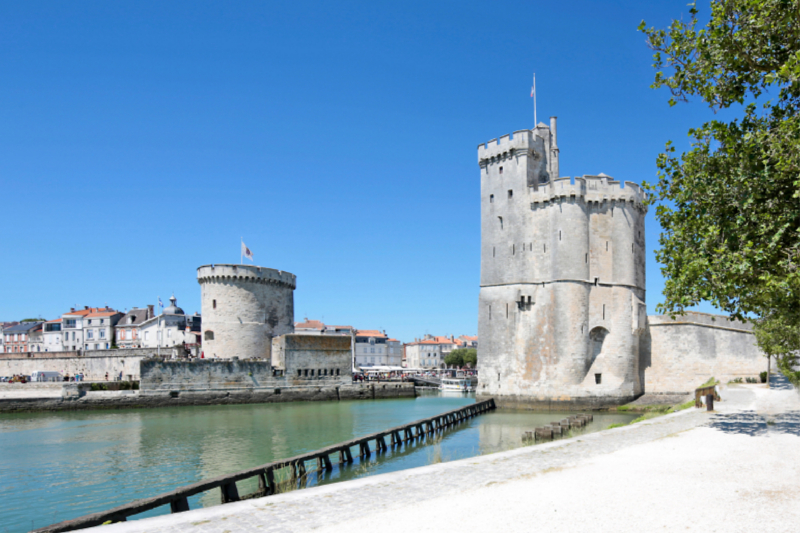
(528, 141)
(587, 188)
(247, 273)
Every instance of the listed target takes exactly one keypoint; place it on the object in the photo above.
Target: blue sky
(141, 140)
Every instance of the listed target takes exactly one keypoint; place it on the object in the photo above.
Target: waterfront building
(127, 329)
(99, 328)
(468, 341)
(17, 338)
(395, 352)
(371, 348)
(75, 328)
(51, 336)
(169, 329)
(431, 350)
(316, 327)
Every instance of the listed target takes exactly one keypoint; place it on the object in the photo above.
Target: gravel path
(735, 470)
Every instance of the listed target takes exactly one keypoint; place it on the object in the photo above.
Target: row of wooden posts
(557, 429)
(178, 499)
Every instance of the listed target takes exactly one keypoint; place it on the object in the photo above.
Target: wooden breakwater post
(558, 429)
(178, 499)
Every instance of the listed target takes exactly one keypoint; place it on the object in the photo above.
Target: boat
(456, 384)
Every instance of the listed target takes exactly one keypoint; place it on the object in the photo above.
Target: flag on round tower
(246, 252)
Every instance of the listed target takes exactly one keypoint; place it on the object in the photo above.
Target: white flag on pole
(246, 252)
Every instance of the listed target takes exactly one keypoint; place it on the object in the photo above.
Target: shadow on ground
(752, 423)
(779, 382)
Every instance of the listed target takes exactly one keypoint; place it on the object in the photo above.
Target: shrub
(763, 376)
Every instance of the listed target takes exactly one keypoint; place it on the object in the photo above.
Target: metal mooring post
(710, 402)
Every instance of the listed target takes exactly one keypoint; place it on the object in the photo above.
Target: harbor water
(61, 465)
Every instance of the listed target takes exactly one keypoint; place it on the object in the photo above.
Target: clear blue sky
(141, 140)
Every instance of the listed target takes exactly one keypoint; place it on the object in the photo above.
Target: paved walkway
(736, 470)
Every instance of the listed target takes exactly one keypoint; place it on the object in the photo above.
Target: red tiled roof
(370, 333)
(108, 312)
(85, 312)
(310, 324)
(56, 320)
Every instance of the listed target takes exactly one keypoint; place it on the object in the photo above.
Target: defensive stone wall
(75, 396)
(309, 356)
(93, 364)
(243, 307)
(678, 355)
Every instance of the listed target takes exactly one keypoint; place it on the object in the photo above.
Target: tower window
(510, 193)
(598, 379)
(492, 251)
(604, 311)
(490, 312)
(501, 170)
(559, 235)
(214, 304)
(587, 258)
(491, 198)
(513, 249)
(606, 246)
(545, 248)
(501, 222)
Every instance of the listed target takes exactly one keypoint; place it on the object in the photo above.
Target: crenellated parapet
(246, 274)
(522, 142)
(598, 189)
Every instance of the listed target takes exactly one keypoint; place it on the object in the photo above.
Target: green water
(57, 466)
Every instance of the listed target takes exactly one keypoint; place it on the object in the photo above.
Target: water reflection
(57, 466)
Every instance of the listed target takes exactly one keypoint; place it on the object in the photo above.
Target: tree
(471, 357)
(462, 356)
(730, 206)
(455, 358)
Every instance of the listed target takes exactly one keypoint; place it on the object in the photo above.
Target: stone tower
(562, 279)
(243, 307)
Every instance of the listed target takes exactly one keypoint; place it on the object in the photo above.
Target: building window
(102, 334)
(510, 194)
(209, 335)
(598, 378)
(501, 170)
(501, 222)
(147, 335)
(491, 198)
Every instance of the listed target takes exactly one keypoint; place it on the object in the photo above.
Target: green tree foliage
(730, 206)
(462, 356)
(471, 357)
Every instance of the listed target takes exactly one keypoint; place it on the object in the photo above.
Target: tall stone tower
(243, 307)
(562, 279)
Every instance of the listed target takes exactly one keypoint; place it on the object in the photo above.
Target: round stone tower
(562, 279)
(243, 307)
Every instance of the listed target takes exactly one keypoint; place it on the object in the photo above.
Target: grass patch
(612, 426)
(711, 381)
(681, 407)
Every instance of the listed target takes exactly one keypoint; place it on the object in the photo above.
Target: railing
(178, 499)
(702, 392)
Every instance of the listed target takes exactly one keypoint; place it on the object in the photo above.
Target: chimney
(553, 149)
(86, 307)
(71, 309)
(149, 312)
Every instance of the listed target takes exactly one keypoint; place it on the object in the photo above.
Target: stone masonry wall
(94, 364)
(308, 356)
(243, 307)
(679, 355)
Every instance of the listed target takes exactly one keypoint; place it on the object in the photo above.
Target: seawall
(76, 396)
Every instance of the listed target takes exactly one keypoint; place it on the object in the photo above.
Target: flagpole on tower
(534, 100)
(241, 253)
